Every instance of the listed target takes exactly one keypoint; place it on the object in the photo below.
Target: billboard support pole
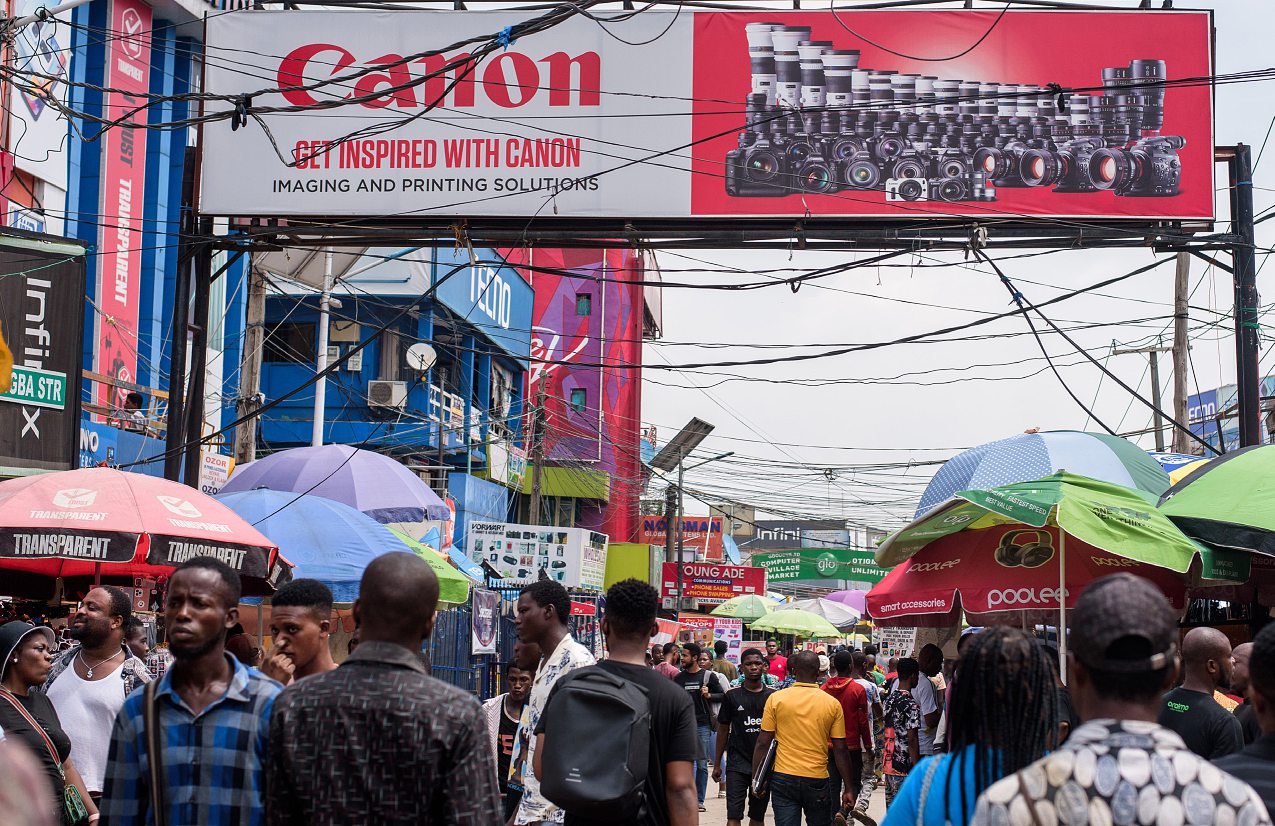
(1247, 323)
(175, 433)
(198, 353)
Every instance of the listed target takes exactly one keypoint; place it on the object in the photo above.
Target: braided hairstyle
(1003, 703)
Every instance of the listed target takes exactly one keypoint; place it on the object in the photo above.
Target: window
(584, 304)
(579, 400)
(391, 356)
(289, 343)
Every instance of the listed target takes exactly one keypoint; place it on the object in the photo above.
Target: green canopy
(1229, 502)
(797, 622)
(1113, 518)
(747, 607)
(453, 586)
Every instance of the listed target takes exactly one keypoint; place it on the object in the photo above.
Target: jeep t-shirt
(673, 736)
(741, 710)
(1207, 729)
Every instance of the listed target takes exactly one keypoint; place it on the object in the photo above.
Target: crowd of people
(1146, 730)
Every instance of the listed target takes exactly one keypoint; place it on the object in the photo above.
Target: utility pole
(681, 517)
(537, 449)
(1181, 350)
(175, 430)
(198, 354)
(1247, 323)
(321, 356)
(670, 537)
(1154, 354)
(250, 367)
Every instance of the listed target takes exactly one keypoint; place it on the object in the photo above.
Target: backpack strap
(35, 724)
(154, 754)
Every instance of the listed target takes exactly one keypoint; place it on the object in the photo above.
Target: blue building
(457, 424)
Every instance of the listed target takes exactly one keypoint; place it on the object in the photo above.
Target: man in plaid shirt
(214, 715)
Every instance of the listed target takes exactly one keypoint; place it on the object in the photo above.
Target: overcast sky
(869, 423)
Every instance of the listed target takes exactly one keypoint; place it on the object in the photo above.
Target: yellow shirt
(803, 718)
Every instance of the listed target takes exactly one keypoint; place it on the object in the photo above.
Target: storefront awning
(574, 482)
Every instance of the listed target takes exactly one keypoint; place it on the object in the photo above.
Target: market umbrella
(1229, 502)
(325, 540)
(856, 599)
(371, 482)
(836, 613)
(105, 522)
(453, 586)
(747, 607)
(970, 571)
(797, 622)
(1028, 456)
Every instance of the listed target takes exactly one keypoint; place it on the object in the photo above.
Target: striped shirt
(213, 761)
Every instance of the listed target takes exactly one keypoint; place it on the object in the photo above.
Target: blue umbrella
(371, 482)
(1030, 456)
(325, 540)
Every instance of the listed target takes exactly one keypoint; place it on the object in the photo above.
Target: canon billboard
(743, 114)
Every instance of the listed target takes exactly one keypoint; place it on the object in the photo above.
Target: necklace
(88, 669)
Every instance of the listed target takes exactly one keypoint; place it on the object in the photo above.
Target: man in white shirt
(88, 683)
(929, 695)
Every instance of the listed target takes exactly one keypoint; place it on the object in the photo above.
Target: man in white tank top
(89, 682)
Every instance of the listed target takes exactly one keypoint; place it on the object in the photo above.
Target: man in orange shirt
(804, 719)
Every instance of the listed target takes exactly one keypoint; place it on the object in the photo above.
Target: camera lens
(909, 168)
(952, 189)
(862, 174)
(844, 148)
(991, 161)
(810, 59)
(946, 93)
(761, 53)
(1080, 113)
(911, 189)
(1110, 168)
(1007, 100)
(1148, 76)
(1025, 106)
(925, 94)
(1102, 108)
(787, 63)
(1039, 167)
(838, 70)
(953, 168)
(1115, 77)
(816, 176)
(798, 151)
(969, 101)
(1116, 134)
(763, 165)
(904, 90)
(889, 147)
(881, 89)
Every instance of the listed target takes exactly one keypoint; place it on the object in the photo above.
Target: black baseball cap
(1124, 624)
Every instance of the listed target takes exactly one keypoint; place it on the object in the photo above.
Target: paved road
(716, 814)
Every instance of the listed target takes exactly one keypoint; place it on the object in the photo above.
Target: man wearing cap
(1120, 765)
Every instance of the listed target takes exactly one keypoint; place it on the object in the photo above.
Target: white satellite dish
(421, 357)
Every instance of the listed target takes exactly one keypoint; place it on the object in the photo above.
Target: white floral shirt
(569, 655)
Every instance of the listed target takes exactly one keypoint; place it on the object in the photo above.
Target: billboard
(701, 535)
(769, 534)
(39, 131)
(575, 557)
(119, 274)
(41, 324)
(715, 114)
(819, 563)
(706, 582)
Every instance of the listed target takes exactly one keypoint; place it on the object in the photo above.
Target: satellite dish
(421, 357)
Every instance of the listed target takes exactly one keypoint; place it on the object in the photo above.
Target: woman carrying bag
(28, 717)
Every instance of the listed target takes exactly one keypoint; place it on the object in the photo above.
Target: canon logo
(508, 80)
(930, 567)
(1022, 596)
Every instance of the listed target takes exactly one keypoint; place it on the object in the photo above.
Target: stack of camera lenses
(818, 122)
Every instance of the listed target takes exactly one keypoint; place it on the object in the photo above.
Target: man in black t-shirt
(738, 724)
(702, 690)
(1190, 710)
(628, 625)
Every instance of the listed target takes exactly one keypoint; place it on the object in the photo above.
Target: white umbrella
(840, 615)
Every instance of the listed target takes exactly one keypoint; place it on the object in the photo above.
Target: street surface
(716, 814)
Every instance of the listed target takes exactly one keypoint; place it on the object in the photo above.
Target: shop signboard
(575, 557)
(701, 536)
(773, 534)
(686, 114)
(819, 563)
(712, 583)
(41, 319)
(894, 642)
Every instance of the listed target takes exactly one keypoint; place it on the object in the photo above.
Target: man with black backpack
(616, 741)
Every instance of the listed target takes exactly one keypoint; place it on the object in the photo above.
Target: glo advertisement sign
(873, 113)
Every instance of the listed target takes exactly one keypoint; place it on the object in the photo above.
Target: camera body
(907, 189)
(1150, 168)
(758, 170)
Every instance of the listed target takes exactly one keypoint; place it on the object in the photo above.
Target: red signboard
(708, 582)
(701, 536)
(123, 198)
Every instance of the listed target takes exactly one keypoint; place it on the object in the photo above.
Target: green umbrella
(797, 622)
(1110, 517)
(453, 587)
(1228, 503)
(747, 607)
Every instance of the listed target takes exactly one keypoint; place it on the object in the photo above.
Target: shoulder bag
(74, 812)
(154, 754)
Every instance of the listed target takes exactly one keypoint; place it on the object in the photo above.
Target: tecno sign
(508, 80)
(1011, 597)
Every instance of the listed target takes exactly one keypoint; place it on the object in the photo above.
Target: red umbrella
(101, 521)
(963, 571)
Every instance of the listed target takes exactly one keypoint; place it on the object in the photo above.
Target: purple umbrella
(855, 599)
(370, 482)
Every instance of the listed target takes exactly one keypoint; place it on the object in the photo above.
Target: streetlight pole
(681, 516)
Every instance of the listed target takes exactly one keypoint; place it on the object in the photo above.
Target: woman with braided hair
(1002, 716)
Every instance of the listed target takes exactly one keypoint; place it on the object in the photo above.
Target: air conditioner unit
(387, 394)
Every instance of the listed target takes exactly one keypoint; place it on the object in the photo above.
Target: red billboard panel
(707, 582)
(701, 536)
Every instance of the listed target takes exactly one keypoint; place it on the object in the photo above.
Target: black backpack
(597, 741)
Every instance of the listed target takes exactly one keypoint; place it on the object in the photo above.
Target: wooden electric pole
(1181, 350)
(250, 367)
(1157, 416)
